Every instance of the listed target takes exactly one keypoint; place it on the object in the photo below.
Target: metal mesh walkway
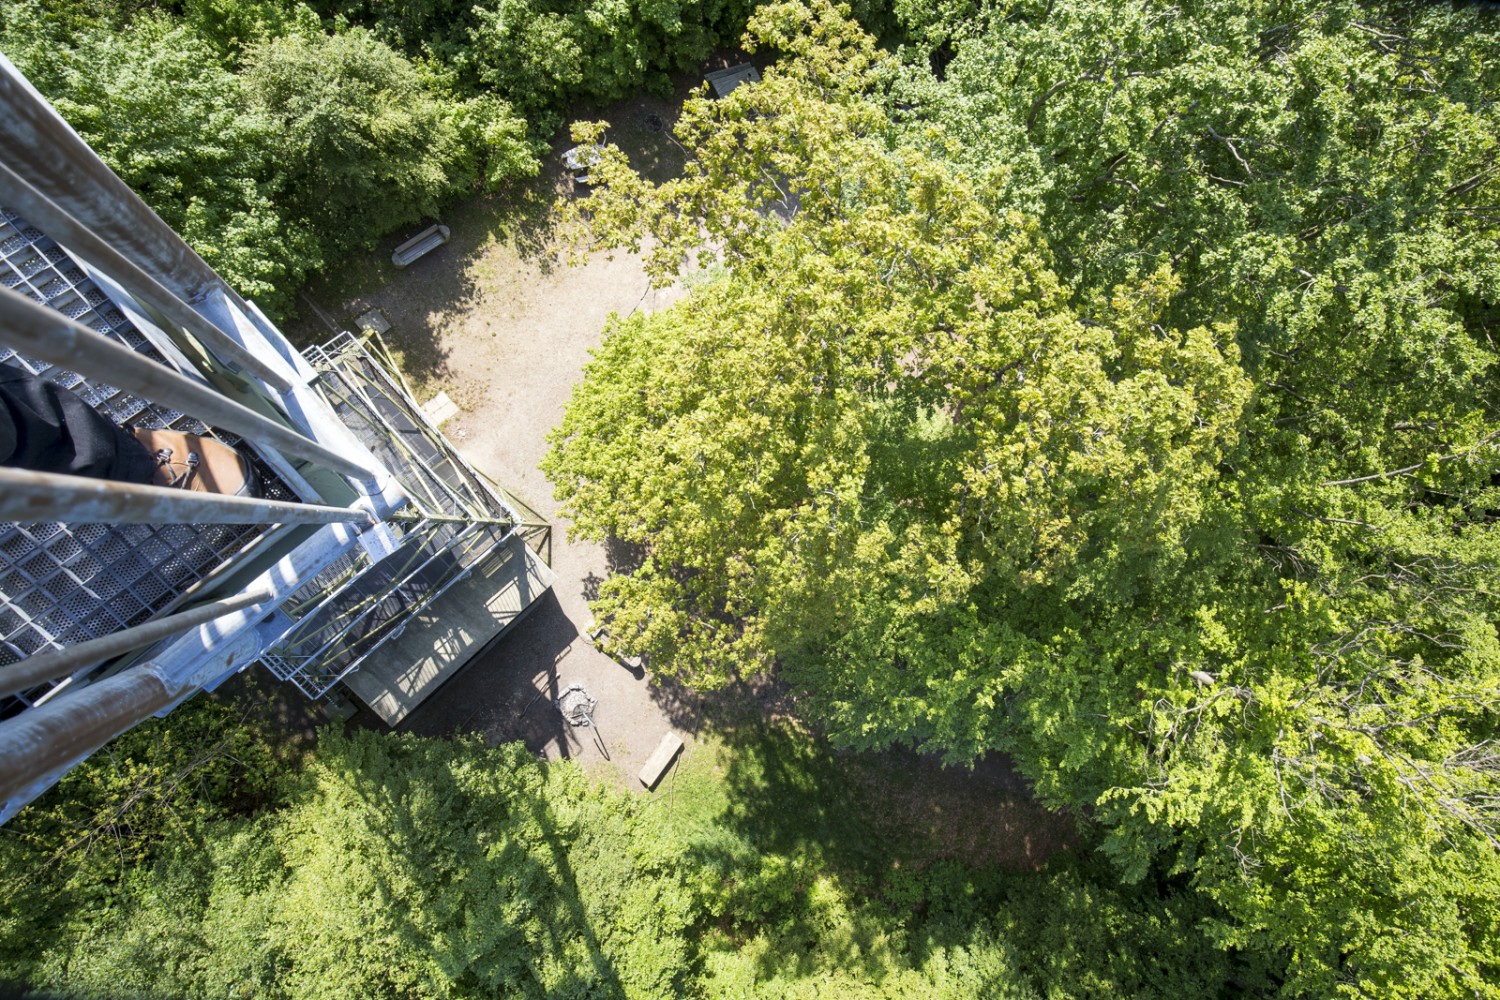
(63, 583)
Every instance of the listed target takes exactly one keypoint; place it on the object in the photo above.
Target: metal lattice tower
(118, 602)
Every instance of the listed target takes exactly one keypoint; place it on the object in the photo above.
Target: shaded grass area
(772, 764)
(864, 814)
(825, 874)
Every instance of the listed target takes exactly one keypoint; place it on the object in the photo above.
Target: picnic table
(583, 158)
(725, 80)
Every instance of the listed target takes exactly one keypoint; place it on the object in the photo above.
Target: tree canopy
(1124, 401)
(394, 866)
(275, 152)
(1108, 384)
(278, 136)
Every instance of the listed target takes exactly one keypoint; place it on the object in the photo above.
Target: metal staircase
(117, 601)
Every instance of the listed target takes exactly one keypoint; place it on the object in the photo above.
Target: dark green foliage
(277, 136)
(1125, 402)
(157, 103)
(361, 144)
(542, 54)
(74, 850)
(394, 866)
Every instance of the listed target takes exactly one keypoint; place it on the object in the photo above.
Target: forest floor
(498, 320)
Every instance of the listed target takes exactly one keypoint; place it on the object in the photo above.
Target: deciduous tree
(1092, 413)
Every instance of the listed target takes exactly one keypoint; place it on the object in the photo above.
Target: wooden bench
(427, 240)
(725, 80)
(666, 751)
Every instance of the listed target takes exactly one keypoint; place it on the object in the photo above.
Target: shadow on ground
(620, 557)
(508, 691)
(897, 833)
(448, 282)
(458, 278)
(986, 814)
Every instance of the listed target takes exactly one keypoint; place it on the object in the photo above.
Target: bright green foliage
(360, 145)
(885, 409)
(394, 867)
(156, 103)
(883, 397)
(423, 868)
(1128, 405)
(230, 25)
(158, 783)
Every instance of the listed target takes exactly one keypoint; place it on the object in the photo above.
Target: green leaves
(1124, 403)
(885, 408)
(271, 155)
(540, 55)
(362, 146)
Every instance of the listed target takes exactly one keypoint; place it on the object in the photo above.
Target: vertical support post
(45, 739)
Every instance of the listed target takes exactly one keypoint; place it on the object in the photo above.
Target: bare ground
(495, 319)
(504, 326)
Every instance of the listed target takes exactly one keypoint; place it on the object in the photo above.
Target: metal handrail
(40, 332)
(474, 537)
(28, 496)
(39, 146)
(54, 735)
(467, 535)
(50, 666)
(425, 601)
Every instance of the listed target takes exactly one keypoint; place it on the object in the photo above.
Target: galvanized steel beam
(44, 333)
(45, 152)
(28, 497)
(42, 740)
(55, 221)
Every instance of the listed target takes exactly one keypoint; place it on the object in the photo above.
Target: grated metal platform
(456, 521)
(64, 583)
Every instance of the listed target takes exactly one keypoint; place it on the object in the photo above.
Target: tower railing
(118, 601)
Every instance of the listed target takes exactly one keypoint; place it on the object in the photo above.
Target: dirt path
(515, 352)
(504, 328)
